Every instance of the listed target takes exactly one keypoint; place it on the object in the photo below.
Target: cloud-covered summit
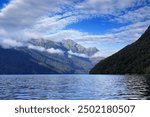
(21, 20)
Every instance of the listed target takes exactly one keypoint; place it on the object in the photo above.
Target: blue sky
(95, 25)
(3, 3)
(108, 25)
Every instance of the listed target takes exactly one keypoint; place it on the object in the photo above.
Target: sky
(108, 25)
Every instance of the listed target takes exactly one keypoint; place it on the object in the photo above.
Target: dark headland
(133, 59)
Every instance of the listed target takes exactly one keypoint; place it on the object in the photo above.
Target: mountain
(13, 61)
(74, 47)
(65, 45)
(76, 58)
(47, 57)
(133, 59)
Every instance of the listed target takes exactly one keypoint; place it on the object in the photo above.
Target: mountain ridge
(74, 47)
(133, 59)
(45, 57)
(19, 62)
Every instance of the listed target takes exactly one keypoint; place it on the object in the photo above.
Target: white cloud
(42, 49)
(20, 14)
(69, 56)
(137, 15)
(39, 19)
(53, 24)
(78, 54)
(140, 25)
(84, 10)
(21, 20)
(55, 51)
(125, 34)
(38, 48)
(97, 54)
(104, 7)
(65, 34)
(8, 43)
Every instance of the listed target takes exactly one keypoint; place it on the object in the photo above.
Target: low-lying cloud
(78, 54)
(57, 51)
(9, 43)
(49, 50)
(39, 48)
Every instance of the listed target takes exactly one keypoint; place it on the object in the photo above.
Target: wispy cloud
(21, 20)
(77, 54)
(9, 43)
(21, 15)
(133, 16)
(38, 48)
(42, 49)
(56, 51)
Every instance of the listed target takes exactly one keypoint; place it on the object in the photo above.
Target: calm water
(74, 87)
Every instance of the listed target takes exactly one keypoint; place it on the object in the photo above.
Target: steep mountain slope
(13, 61)
(62, 63)
(45, 57)
(72, 61)
(133, 59)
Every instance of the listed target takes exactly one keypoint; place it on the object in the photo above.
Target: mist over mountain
(76, 48)
(133, 59)
(44, 56)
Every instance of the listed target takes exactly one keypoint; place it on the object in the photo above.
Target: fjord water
(74, 87)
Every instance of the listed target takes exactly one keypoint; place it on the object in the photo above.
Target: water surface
(74, 87)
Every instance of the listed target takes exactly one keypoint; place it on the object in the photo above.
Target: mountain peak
(77, 48)
(69, 40)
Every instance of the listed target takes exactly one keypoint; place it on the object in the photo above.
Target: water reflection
(75, 87)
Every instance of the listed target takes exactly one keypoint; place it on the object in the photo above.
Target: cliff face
(133, 59)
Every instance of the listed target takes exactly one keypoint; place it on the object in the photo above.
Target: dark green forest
(133, 59)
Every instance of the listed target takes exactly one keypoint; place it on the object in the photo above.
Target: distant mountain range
(133, 59)
(48, 57)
